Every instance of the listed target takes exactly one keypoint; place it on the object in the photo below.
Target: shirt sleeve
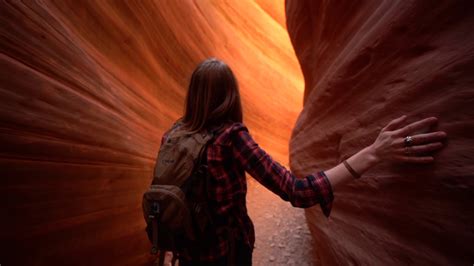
(301, 192)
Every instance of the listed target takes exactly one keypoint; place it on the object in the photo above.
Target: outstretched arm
(391, 145)
(300, 192)
(317, 188)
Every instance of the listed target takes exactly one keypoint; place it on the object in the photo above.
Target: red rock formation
(86, 90)
(365, 63)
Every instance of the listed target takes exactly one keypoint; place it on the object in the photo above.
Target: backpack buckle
(155, 210)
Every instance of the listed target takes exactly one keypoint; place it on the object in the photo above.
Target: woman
(213, 101)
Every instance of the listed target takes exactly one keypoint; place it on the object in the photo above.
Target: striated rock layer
(365, 63)
(86, 90)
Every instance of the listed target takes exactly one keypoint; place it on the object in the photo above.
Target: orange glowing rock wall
(87, 89)
(365, 63)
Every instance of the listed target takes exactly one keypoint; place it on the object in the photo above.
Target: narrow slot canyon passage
(87, 89)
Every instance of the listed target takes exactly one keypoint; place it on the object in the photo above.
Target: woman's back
(229, 155)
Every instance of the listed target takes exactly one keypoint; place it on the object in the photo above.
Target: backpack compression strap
(154, 249)
(155, 213)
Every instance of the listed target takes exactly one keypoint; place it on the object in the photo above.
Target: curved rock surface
(365, 63)
(86, 90)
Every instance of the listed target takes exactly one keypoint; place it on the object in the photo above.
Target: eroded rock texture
(86, 90)
(365, 63)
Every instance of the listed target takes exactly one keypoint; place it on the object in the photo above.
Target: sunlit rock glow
(87, 89)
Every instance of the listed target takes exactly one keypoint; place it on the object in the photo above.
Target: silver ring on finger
(408, 141)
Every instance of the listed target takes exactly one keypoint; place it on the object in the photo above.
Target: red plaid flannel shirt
(231, 154)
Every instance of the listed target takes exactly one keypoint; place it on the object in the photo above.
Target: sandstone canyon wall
(365, 63)
(86, 90)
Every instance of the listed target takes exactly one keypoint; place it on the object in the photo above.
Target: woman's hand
(400, 143)
(395, 143)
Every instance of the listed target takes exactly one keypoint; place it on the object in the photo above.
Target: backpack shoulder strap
(213, 132)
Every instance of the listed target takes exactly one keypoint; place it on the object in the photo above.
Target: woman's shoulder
(233, 127)
(230, 130)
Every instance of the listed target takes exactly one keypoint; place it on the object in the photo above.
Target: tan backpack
(175, 206)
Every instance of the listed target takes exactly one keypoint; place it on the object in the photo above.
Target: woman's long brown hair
(213, 96)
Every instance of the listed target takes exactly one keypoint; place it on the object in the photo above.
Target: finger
(416, 126)
(421, 148)
(395, 123)
(417, 160)
(429, 137)
(422, 139)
